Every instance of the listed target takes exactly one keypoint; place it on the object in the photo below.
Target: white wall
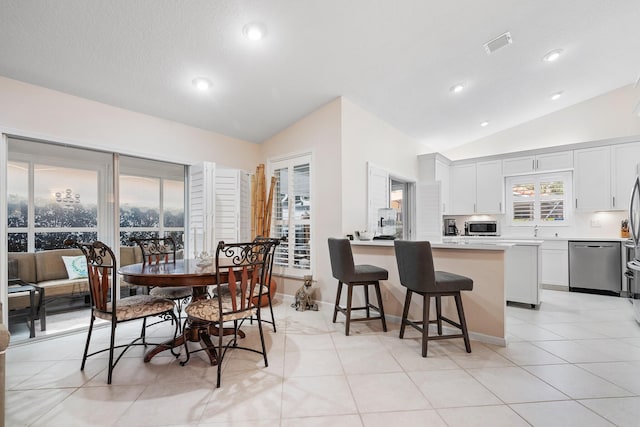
(36, 112)
(366, 138)
(342, 137)
(603, 117)
(318, 133)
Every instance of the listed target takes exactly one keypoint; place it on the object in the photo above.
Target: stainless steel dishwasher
(595, 267)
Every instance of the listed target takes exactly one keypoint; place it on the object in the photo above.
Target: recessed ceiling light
(556, 96)
(552, 56)
(457, 88)
(484, 124)
(254, 31)
(201, 83)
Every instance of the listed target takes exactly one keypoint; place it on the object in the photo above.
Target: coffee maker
(450, 228)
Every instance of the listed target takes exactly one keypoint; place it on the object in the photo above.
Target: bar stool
(415, 267)
(347, 273)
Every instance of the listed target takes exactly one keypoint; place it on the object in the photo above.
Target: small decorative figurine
(303, 296)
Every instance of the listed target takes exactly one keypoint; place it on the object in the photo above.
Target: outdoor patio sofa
(47, 271)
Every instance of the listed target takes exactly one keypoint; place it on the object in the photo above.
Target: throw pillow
(76, 266)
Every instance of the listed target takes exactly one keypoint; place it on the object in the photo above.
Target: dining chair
(274, 242)
(163, 249)
(364, 275)
(103, 283)
(417, 274)
(240, 271)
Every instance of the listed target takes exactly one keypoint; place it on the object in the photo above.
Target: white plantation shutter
(292, 213)
(378, 194)
(541, 199)
(245, 206)
(232, 206)
(429, 218)
(202, 179)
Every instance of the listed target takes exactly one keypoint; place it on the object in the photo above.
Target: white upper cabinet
(489, 187)
(477, 188)
(463, 189)
(624, 165)
(539, 163)
(592, 179)
(518, 165)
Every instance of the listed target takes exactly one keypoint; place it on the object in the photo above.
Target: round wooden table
(182, 272)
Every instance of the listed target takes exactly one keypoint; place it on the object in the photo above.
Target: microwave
(482, 228)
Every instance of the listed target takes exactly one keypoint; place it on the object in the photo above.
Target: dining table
(194, 273)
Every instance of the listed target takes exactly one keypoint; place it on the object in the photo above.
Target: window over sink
(540, 199)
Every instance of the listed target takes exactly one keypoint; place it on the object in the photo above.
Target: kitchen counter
(484, 262)
(460, 244)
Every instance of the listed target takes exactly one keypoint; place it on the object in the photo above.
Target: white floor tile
(317, 376)
(337, 420)
(525, 353)
(623, 411)
(160, 405)
(405, 397)
(576, 382)
(443, 389)
(260, 395)
(622, 374)
(573, 351)
(561, 414)
(514, 385)
(368, 361)
(316, 396)
(27, 406)
(481, 416)
(405, 418)
(312, 363)
(92, 406)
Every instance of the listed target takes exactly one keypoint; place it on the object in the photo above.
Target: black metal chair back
(101, 274)
(156, 249)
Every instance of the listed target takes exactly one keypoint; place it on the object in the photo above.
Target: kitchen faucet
(535, 231)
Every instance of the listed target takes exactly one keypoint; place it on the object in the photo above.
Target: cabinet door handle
(614, 201)
(474, 208)
(533, 165)
(499, 206)
(576, 203)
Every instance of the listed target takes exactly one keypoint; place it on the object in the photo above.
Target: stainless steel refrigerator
(634, 264)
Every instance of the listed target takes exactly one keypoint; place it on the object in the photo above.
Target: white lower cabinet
(555, 262)
(522, 274)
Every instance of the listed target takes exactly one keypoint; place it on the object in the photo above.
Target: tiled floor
(573, 362)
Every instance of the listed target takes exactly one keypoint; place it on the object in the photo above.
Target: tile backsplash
(596, 224)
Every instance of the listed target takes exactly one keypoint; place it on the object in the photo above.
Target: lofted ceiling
(396, 59)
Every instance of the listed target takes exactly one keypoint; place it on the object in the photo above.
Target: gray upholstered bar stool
(415, 266)
(347, 273)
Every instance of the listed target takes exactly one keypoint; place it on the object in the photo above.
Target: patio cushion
(136, 307)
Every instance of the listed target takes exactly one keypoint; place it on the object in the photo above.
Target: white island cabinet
(522, 274)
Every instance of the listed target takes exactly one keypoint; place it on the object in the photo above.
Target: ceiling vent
(498, 43)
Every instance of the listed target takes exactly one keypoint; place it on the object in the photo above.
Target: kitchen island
(485, 263)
